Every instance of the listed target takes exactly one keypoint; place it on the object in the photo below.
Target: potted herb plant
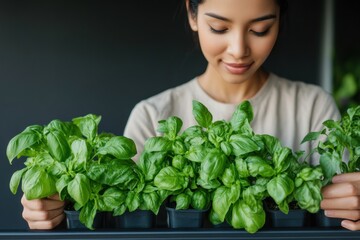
(339, 150)
(167, 163)
(73, 160)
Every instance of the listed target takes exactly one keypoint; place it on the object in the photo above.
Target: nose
(238, 46)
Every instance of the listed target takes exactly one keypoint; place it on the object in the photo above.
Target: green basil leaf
(133, 201)
(229, 175)
(79, 189)
(311, 136)
(222, 200)
(113, 172)
(15, 180)
(308, 195)
(196, 153)
(353, 111)
(26, 139)
(152, 202)
(170, 127)
(241, 167)
(226, 148)
(201, 114)
(330, 164)
(120, 210)
(61, 186)
(151, 163)
(242, 144)
(111, 199)
(182, 201)
(200, 199)
(88, 125)
(259, 167)
(208, 184)
(310, 174)
(171, 179)
(80, 151)
(179, 162)
(280, 187)
(178, 147)
(280, 160)
(57, 169)
(36, 183)
(249, 217)
(87, 214)
(214, 217)
(163, 194)
(158, 144)
(332, 124)
(253, 194)
(242, 112)
(56, 125)
(58, 146)
(120, 147)
(213, 165)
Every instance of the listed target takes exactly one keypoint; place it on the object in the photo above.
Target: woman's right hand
(44, 213)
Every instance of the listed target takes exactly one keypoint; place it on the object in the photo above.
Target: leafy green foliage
(226, 165)
(93, 172)
(338, 141)
(218, 165)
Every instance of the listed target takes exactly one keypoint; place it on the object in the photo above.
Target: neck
(231, 92)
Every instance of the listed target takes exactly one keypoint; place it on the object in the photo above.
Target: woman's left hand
(341, 199)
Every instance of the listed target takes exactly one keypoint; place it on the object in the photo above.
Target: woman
(236, 37)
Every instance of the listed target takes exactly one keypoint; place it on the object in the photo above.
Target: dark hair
(283, 4)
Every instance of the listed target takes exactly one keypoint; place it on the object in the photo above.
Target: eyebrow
(259, 19)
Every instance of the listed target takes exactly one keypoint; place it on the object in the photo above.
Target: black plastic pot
(188, 218)
(73, 221)
(324, 221)
(295, 218)
(135, 219)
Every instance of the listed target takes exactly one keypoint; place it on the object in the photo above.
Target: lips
(237, 68)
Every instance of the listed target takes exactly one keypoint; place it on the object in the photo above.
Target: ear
(191, 17)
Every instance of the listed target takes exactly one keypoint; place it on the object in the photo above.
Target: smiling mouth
(237, 68)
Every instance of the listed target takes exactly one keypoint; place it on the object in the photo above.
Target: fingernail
(344, 224)
(326, 213)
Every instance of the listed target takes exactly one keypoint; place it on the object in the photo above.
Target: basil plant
(338, 144)
(92, 172)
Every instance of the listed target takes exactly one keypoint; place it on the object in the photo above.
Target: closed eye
(217, 31)
(260, 34)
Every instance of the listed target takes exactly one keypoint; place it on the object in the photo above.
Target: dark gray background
(63, 59)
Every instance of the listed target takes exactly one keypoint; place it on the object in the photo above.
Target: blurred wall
(63, 59)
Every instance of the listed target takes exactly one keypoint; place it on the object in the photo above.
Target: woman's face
(236, 36)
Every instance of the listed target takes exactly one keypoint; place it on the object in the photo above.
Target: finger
(54, 197)
(354, 226)
(338, 190)
(30, 215)
(46, 224)
(344, 214)
(41, 204)
(345, 203)
(346, 177)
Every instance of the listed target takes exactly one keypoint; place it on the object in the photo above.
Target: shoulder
(305, 89)
(303, 93)
(309, 99)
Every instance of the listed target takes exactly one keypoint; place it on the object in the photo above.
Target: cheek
(263, 47)
(211, 44)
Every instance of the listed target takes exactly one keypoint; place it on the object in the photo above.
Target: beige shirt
(282, 108)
